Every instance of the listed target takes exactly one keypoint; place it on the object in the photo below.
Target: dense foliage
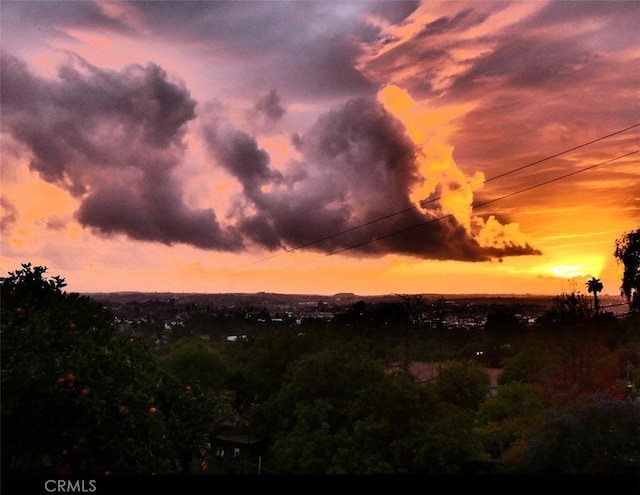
(341, 412)
(81, 397)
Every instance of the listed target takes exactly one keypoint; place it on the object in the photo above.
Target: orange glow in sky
(291, 147)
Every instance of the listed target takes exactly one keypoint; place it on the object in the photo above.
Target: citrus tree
(80, 398)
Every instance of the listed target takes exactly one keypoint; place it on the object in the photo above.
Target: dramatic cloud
(533, 74)
(275, 41)
(113, 140)
(352, 185)
(383, 130)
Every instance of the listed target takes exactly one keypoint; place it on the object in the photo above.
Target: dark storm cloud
(153, 210)
(237, 152)
(308, 49)
(357, 165)
(113, 139)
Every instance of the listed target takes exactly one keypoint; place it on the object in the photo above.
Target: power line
(479, 205)
(432, 200)
(518, 169)
(499, 176)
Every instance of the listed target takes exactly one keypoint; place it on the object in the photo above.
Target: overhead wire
(479, 205)
(425, 202)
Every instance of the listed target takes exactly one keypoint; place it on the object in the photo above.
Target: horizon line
(345, 293)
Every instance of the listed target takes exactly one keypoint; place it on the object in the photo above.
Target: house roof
(426, 371)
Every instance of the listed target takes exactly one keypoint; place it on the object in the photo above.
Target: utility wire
(423, 203)
(479, 205)
(518, 169)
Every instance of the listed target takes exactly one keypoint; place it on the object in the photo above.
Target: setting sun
(568, 271)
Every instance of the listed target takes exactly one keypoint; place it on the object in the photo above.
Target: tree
(627, 252)
(340, 412)
(463, 383)
(598, 434)
(78, 397)
(527, 365)
(574, 360)
(566, 310)
(594, 286)
(506, 422)
(502, 325)
(195, 363)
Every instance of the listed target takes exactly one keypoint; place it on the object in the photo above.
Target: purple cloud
(113, 140)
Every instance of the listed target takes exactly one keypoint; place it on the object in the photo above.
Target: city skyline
(370, 147)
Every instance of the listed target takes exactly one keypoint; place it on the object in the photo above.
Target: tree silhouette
(594, 285)
(628, 253)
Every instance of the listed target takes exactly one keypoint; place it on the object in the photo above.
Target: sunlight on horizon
(568, 271)
(590, 267)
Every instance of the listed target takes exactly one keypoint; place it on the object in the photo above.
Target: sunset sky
(373, 147)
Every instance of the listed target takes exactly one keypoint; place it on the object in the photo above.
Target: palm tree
(594, 285)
